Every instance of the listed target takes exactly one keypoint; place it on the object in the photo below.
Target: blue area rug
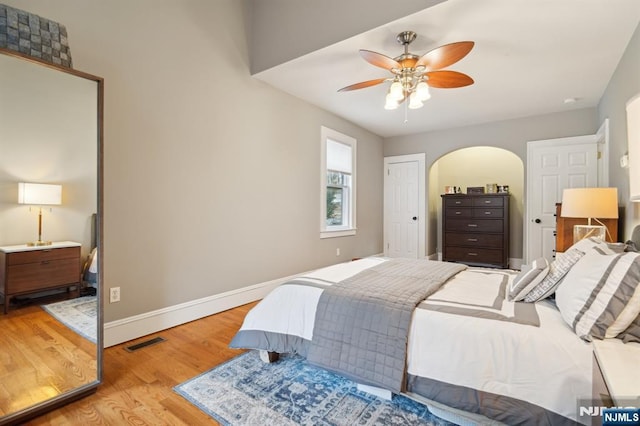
(79, 314)
(246, 391)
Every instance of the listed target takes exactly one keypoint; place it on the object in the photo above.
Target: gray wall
(211, 177)
(511, 135)
(282, 30)
(624, 84)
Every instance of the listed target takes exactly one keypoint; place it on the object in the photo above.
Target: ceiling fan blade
(448, 79)
(379, 60)
(444, 56)
(362, 84)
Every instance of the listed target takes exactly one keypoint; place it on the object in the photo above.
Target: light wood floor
(40, 358)
(137, 386)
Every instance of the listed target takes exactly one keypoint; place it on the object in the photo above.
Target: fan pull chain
(406, 113)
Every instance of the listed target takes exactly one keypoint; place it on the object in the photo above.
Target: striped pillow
(597, 298)
(528, 279)
(557, 271)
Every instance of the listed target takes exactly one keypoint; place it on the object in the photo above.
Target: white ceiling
(529, 56)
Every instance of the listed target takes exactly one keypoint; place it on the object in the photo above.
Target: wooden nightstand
(619, 364)
(27, 270)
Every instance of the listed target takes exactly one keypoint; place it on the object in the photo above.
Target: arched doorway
(477, 167)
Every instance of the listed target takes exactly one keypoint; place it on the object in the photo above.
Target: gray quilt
(362, 323)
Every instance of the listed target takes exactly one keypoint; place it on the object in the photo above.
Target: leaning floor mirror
(50, 236)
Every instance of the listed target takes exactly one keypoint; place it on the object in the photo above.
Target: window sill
(334, 234)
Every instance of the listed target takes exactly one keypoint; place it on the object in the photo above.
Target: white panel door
(403, 198)
(552, 166)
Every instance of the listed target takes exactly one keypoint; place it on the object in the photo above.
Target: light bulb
(422, 91)
(390, 102)
(414, 101)
(396, 91)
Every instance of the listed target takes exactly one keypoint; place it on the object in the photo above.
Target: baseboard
(119, 331)
(515, 263)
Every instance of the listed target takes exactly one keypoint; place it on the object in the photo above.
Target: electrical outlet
(114, 294)
(337, 252)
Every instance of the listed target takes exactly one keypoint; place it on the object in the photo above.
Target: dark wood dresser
(475, 229)
(27, 270)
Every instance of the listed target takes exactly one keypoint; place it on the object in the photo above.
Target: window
(338, 184)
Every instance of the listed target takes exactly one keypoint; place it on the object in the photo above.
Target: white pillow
(557, 270)
(598, 296)
(528, 278)
(587, 244)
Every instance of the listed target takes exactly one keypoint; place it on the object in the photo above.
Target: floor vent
(144, 344)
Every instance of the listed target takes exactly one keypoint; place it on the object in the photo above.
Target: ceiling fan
(413, 74)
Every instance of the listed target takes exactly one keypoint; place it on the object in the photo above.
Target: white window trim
(327, 133)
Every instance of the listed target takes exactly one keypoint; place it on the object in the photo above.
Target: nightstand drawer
(29, 277)
(43, 255)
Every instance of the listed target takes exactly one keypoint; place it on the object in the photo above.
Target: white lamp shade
(590, 203)
(39, 194)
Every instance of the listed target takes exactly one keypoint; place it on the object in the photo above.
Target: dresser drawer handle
(472, 254)
(473, 240)
(458, 212)
(487, 213)
(472, 225)
(487, 201)
(458, 202)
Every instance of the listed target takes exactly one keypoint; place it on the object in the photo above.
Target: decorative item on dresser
(28, 269)
(475, 229)
(564, 229)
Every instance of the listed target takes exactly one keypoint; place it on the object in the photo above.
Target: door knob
(415, 218)
(538, 221)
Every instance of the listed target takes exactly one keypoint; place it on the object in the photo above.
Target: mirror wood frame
(64, 398)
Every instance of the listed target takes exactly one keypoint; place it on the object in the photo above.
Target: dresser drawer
(459, 212)
(497, 213)
(474, 240)
(457, 202)
(488, 201)
(30, 277)
(474, 255)
(44, 255)
(474, 225)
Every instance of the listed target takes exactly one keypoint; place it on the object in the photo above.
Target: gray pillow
(557, 270)
(632, 333)
(528, 278)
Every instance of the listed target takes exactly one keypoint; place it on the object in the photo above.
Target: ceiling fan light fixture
(390, 102)
(396, 91)
(414, 101)
(422, 91)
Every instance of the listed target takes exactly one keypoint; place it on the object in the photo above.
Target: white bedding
(498, 355)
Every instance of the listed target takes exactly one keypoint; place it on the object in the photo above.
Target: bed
(473, 346)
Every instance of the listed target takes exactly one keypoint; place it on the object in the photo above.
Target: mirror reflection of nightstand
(32, 269)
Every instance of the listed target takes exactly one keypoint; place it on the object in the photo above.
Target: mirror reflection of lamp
(590, 203)
(39, 194)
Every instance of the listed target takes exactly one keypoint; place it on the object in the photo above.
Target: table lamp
(39, 194)
(590, 203)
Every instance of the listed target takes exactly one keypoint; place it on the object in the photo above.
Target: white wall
(211, 177)
(49, 125)
(511, 135)
(624, 84)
